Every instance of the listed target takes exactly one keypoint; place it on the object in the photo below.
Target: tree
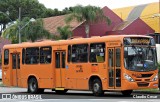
(64, 32)
(32, 32)
(87, 14)
(29, 8)
(11, 33)
(3, 21)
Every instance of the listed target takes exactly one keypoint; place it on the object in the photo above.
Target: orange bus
(110, 63)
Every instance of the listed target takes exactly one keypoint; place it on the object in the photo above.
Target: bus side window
(14, 62)
(110, 58)
(97, 52)
(118, 57)
(32, 55)
(45, 54)
(80, 53)
(69, 53)
(6, 57)
(23, 55)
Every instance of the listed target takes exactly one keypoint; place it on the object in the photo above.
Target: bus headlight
(126, 76)
(155, 77)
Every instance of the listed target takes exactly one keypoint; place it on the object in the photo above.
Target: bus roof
(72, 41)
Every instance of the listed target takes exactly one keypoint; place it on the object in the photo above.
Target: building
(149, 13)
(129, 20)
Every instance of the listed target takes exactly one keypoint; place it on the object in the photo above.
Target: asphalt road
(21, 95)
(15, 94)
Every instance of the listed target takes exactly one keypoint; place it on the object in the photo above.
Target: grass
(1, 84)
(151, 90)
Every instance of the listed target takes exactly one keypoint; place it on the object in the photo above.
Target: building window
(32, 55)
(80, 53)
(6, 57)
(97, 52)
(45, 54)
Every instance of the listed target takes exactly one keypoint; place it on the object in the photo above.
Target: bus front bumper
(126, 85)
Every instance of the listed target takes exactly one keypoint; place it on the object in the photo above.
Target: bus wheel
(127, 92)
(97, 88)
(33, 86)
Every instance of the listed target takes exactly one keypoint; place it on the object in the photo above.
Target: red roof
(52, 23)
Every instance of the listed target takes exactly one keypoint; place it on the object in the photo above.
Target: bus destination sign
(138, 41)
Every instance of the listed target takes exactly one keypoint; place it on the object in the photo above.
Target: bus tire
(97, 88)
(127, 92)
(33, 86)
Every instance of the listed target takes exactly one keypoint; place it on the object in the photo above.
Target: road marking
(24, 101)
(126, 101)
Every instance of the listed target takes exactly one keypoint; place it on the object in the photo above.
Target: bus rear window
(6, 57)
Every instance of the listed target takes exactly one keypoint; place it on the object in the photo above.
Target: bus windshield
(138, 58)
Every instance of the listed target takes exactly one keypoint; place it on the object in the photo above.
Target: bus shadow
(72, 95)
(146, 92)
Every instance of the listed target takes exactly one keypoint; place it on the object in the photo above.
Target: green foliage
(88, 14)
(29, 8)
(159, 69)
(64, 32)
(11, 33)
(32, 32)
(0, 61)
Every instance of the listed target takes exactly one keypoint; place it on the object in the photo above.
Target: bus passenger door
(114, 67)
(15, 69)
(60, 58)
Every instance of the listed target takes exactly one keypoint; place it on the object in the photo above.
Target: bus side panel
(99, 70)
(78, 75)
(6, 76)
(102, 73)
(82, 76)
(70, 77)
(43, 74)
(6, 72)
(24, 82)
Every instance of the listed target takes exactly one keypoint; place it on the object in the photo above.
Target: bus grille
(145, 75)
(143, 84)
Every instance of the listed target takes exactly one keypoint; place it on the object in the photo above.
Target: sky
(112, 4)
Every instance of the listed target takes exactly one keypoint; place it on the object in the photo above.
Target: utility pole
(19, 27)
